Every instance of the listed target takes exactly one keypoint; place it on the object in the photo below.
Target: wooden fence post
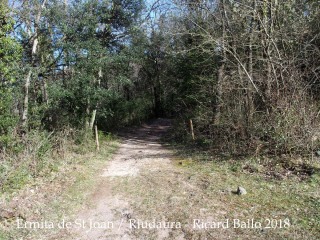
(97, 137)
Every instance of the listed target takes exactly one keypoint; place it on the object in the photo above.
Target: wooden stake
(191, 127)
(97, 137)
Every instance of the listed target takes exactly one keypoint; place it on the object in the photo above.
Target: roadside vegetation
(239, 79)
(57, 192)
(201, 186)
(246, 74)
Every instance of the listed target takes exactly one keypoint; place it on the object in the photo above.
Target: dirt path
(147, 192)
(108, 215)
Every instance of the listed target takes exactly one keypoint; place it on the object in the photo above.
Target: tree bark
(24, 117)
(221, 71)
(249, 90)
(93, 118)
(27, 84)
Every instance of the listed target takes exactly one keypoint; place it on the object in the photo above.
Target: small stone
(241, 191)
(318, 153)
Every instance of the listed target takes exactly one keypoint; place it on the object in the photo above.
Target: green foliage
(27, 160)
(252, 66)
(123, 113)
(7, 120)
(10, 52)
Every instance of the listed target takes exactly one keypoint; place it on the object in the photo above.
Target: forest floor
(148, 190)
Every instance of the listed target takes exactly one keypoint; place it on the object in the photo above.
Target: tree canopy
(245, 72)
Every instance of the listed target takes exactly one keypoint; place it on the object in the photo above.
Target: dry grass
(182, 190)
(189, 190)
(55, 196)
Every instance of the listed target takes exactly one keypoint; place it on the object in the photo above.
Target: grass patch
(199, 187)
(55, 196)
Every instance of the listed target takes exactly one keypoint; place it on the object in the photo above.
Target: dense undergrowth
(56, 190)
(290, 137)
(271, 165)
(39, 153)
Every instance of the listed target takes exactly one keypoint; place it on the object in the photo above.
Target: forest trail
(108, 213)
(147, 190)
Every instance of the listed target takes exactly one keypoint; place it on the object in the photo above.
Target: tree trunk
(87, 115)
(27, 85)
(221, 71)
(249, 90)
(24, 117)
(45, 91)
(217, 109)
(93, 118)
